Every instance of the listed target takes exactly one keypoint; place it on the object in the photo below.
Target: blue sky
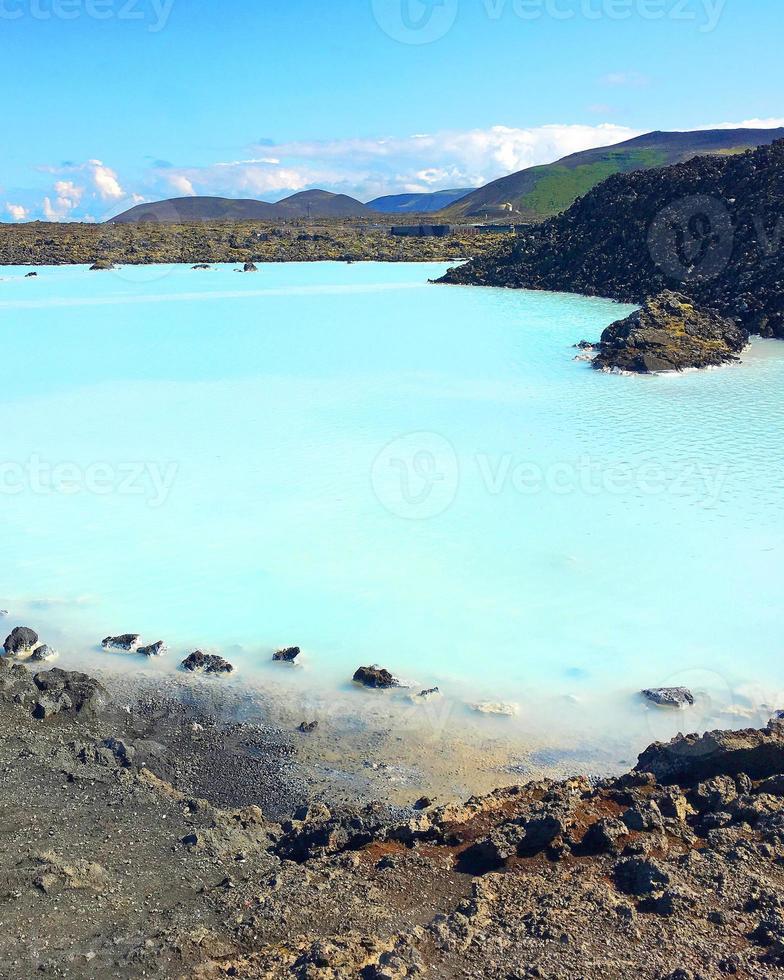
(108, 102)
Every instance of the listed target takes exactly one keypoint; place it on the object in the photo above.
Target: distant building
(421, 231)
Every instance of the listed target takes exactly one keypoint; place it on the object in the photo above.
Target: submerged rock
(127, 641)
(504, 708)
(201, 265)
(153, 650)
(670, 333)
(20, 642)
(31, 275)
(249, 267)
(375, 676)
(287, 656)
(207, 663)
(308, 727)
(669, 697)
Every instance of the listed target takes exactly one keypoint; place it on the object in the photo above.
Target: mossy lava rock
(670, 333)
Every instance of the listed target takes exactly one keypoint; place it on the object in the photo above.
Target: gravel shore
(160, 831)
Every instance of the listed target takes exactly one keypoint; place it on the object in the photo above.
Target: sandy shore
(368, 744)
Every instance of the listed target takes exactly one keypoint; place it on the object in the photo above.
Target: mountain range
(418, 203)
(306, 204)
(528, 196)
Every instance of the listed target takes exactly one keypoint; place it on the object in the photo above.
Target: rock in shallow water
(507, 709)
(670, 333)
(375, 676)
(287, 656)
(20, 642)
(207, 663)
(43, 654)
(669, 697)
(126, 641)
(153, 650)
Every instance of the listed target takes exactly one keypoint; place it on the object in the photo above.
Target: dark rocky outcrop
(287, 656)
(51, 692)
(250, 267)
(669, 697)
(68, 690)
(31, 275)
(102, 265)
(207, 663)
(759, 753)
(126, 641)
(375, 677)
(20, 642)
(669, 334)
(710, 228)
(308, 727)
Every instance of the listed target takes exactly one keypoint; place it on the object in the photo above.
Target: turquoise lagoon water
(347, 458)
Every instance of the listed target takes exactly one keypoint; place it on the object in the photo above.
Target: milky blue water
(349, 459)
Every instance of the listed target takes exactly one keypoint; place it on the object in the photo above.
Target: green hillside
(540, 192)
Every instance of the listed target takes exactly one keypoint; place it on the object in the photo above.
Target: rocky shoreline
(152, 832)
(200, 244)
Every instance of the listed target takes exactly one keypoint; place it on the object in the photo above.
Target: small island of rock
(669, 333)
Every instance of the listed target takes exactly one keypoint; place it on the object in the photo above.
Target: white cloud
(68, 193)
(105, 181)
(182, 185)
(68, 197)
(17, 212)
(770, 123)
(366, 168)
